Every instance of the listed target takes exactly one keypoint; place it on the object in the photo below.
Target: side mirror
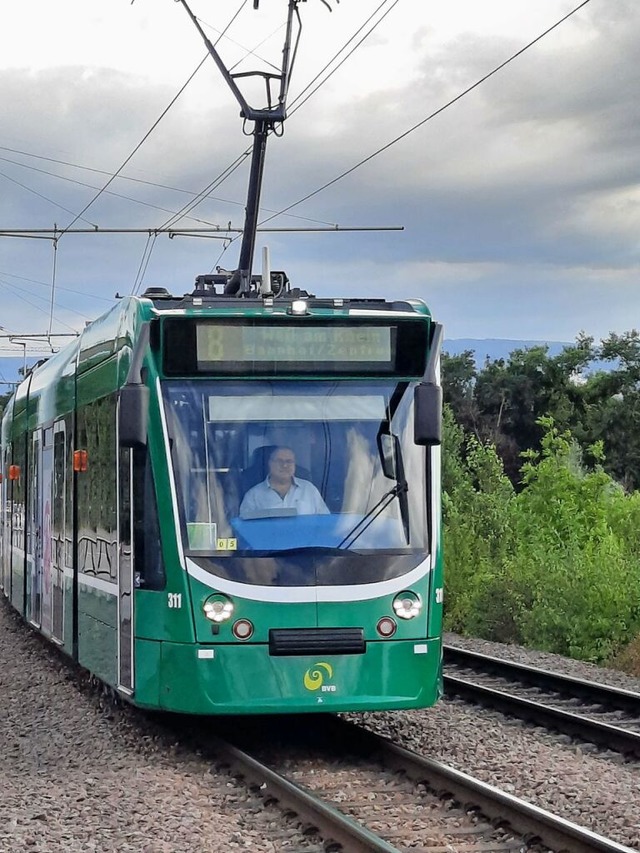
(428, 414)
(133, 416)
(387, 452)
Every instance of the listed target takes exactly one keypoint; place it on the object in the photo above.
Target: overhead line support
(265, 119)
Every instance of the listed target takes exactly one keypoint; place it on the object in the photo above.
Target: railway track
(361, 792)
(607, 716)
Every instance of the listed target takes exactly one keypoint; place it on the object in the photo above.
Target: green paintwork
(246, 680)
(233, 676)
(436, 593)
(365, 614)
(147, 669)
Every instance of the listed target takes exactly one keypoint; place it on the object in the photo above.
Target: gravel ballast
(80, 775)
(77, 774)
(594, 788)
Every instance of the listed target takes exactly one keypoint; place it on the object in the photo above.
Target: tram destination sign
(257, 347)
(291, 343)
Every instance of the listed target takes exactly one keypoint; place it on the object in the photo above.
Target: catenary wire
(44, 197)
(133, 180)
(48, 285)
(249, 51)
(137, 147)
(153, 127)
(205, 193)
(428, 118)
(53, 286)
(200, 197)
(16, 292)
(106, 192)
(322, 82)
(144, 262)
(229, 170)
(300, 100)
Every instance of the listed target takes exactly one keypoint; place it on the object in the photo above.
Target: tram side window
(97, 492)
(148, 563)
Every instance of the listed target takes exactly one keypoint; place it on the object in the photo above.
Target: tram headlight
(218, 608)
(299, 306)
(407, 605)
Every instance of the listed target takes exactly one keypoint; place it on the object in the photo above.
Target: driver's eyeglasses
(284, 461)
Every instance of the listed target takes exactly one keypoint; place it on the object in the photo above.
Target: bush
(555, 566)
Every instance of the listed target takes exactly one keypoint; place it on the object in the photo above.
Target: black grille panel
(316, 641)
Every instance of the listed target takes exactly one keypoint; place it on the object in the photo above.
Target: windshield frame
(319, 561)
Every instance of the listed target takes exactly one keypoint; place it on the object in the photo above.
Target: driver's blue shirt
(302, 496)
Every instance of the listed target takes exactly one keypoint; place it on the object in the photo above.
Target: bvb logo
(314, 677)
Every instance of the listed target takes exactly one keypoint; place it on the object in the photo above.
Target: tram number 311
(174, 600)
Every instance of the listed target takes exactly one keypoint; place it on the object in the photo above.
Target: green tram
(128, 536)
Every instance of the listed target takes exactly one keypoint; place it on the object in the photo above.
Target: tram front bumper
(245, 679)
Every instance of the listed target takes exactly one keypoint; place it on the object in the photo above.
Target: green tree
(458, 381)
(612, 408)
(502, 403)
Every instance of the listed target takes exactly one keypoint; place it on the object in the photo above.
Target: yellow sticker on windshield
(227, 544)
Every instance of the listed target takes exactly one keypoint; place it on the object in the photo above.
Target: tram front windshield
(298, 482)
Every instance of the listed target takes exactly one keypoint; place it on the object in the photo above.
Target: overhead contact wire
(45, 198)
(295, 101)
(144, 261)
(132, 180)
(322, 82)
(138, 146)
(428, 118)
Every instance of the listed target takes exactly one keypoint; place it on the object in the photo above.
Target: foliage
(476, 507)
(555, 565)
(503, 402)
(628, 658)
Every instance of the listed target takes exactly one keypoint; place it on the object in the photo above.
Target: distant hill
(492, 348)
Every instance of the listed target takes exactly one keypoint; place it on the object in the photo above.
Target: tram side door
(5, 520)
(58, 494)
(33, 608)
(125, 572)
(46, 516)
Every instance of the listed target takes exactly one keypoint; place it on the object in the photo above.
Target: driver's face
(282, 465)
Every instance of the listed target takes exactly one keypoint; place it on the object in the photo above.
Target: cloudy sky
(519, 202)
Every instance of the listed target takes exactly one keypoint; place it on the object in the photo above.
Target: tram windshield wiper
(393, 467)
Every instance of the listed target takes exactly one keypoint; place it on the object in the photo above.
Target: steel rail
(530, 821)
(604, 734)
(331, 822)
(593, 690)
(524, 818)
(573, 723)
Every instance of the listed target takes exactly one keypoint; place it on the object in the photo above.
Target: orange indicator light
(79, 460)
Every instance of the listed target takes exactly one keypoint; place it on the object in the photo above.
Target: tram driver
(281, 489)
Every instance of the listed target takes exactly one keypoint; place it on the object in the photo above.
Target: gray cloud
(520, 202)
